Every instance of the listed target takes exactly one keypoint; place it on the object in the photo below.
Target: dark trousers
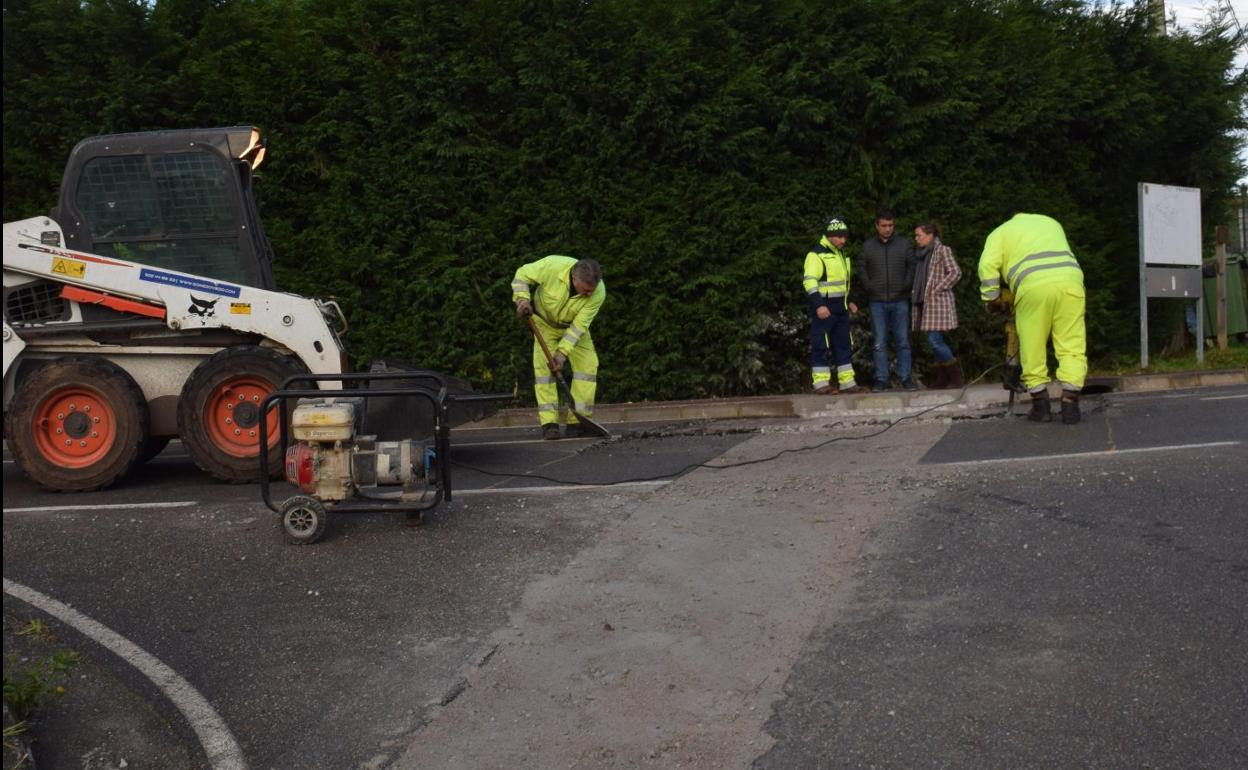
(831, 335)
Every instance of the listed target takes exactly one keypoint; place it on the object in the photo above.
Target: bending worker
(1029, 255)
(825, 277)
(569, 294)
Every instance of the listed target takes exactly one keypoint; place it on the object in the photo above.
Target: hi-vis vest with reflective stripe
(826, 273)
(1028, 250)
(554, 300)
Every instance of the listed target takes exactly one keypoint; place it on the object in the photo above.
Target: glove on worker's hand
(999, 306)
(560, 360)
(523, 309)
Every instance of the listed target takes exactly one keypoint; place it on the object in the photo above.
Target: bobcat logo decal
(202, 307)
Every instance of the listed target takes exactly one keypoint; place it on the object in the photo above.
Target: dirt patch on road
(666, 643)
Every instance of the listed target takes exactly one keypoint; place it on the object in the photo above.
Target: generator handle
(415, 374)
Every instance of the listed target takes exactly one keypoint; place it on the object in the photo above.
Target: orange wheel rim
(232, 416)
(74, 427)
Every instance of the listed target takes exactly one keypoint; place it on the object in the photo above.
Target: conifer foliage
(419, 152)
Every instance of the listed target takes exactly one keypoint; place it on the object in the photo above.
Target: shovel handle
(550, 360)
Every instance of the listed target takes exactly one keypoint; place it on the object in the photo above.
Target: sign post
(1170, 264)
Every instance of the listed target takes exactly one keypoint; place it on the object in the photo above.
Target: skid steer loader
(144, 307)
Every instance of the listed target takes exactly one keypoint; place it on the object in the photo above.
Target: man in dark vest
(888, 275)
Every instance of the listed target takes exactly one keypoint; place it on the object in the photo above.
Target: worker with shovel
(558, 297)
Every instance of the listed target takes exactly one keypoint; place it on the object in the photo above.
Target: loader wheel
(219, 411)
(78, 424)
(304, 520)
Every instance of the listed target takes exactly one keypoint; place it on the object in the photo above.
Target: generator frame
(440, 401)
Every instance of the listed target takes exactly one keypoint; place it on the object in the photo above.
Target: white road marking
(522, 441)
(560, 488)
(1222, 398)
(218, 742)
(113, 507)
(1102, 453)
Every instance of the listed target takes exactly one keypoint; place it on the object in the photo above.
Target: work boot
(954, 378)
(1040, 411)
(550, 431)
(573, 430)
(1070, 407)
(827, 391)
(852, 389)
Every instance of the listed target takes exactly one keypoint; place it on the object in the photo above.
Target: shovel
(588, 424)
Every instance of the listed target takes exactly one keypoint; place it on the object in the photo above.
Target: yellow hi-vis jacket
(1027, 250)
(555, 301)
(825, 276)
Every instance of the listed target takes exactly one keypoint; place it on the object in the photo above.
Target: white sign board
(1169, 225)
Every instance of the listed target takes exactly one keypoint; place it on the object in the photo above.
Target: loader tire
(77, 424)
(218, 411)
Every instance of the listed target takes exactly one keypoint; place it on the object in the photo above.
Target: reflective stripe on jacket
(825, 277)
(555, 300)
(1027, 250)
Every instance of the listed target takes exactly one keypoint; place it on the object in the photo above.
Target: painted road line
(223, 751)
(563, 441)
(560, 488)
(1222, 398)
(114, 507)
(1102, 453)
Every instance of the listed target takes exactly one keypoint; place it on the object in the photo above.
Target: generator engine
(331, 462)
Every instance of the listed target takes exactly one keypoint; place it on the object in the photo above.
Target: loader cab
(180, 200)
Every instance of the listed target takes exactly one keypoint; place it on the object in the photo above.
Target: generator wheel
(219, 411)
(77, 424)
(304, 519)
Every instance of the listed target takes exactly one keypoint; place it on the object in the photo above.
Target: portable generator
(336, 460)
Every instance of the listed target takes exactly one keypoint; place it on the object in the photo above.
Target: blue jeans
(891, 318)
(940, 348)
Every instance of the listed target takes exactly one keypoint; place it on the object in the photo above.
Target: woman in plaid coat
(934, 308)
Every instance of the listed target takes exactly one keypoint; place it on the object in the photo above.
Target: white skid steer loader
(143, 308)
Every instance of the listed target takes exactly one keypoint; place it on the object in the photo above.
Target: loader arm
(184, 302)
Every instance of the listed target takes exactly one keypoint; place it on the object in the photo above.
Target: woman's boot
(954, 377)
(940, 374)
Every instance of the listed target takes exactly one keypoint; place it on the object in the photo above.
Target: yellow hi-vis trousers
(584, 375)
(1054, 309)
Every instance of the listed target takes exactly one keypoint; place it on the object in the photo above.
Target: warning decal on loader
(240, 308)
(69, 267)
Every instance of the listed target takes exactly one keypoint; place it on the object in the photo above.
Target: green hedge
(419, 152)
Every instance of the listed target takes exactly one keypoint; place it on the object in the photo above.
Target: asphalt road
(1055, 609)
(324, 656)
(1018, 595)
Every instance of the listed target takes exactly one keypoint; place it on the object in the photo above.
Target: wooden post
(1220, 259)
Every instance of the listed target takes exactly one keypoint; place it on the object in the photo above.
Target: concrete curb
(973, 400)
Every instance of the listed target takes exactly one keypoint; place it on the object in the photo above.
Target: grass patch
(1234, 357)
(28, 684)
(38, 629)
